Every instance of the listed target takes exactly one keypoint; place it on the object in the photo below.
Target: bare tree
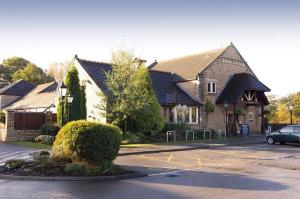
(58, 70)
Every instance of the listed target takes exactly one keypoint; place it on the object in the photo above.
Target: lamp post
(226, 119)
(63, 95)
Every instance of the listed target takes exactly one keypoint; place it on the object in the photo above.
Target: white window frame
(212, 89)
(190, 114)
(250, 116)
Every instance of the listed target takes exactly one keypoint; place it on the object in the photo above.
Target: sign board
(245, 130)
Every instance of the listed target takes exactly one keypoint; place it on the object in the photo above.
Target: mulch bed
(36, 169)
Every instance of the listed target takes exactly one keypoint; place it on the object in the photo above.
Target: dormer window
(211, 87)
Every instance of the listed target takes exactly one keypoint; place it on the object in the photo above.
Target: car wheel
(282, 143)
(270, 140)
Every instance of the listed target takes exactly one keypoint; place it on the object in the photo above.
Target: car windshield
(287, 129)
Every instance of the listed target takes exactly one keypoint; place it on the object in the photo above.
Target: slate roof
(238, 84)
(186, 68)
(96, 70)
(18, 88)
(167, 91)
(42, 96)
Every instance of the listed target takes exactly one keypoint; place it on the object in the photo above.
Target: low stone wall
(21, 135)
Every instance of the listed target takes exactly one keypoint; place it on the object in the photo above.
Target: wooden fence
(31, 120)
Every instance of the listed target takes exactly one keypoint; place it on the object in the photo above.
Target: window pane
(180, 117)
(297, 129)
(171, 118)
(208, 87)
(213, 87)
(288, 129)
(187, 117)
(194, 114)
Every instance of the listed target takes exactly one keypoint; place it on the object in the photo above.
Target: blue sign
(245, 130)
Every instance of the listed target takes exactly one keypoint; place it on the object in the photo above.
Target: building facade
(228, 92)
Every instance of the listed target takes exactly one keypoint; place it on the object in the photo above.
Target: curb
(187, 148)
(67, 178)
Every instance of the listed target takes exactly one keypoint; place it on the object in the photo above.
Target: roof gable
(96, 71)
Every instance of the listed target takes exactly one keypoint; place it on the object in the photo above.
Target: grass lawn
(212, 141)
(34, 145)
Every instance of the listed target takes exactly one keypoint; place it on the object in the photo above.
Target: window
(187, 117)
(251, 116)
(297, 129)
(171, 115)
(288, 129)
(193, 115)
(211, 87)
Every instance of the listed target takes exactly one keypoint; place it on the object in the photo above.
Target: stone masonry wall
(220, 71)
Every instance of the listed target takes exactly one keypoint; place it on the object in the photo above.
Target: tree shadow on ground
(212, 180)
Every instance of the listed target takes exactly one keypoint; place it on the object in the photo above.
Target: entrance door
(230, 122)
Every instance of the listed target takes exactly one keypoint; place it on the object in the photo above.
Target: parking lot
(249, 171)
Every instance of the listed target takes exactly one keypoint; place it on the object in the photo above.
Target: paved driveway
(9, 151)
(253, 171)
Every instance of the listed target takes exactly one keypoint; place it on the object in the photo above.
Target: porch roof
(238, 84)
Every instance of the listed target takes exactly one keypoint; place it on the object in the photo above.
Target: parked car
(290, 134)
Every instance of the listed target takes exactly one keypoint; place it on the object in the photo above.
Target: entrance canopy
(244, 87)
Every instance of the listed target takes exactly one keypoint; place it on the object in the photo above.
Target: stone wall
(220, 71)
(11, 134)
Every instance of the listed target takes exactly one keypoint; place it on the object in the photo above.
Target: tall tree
(5, 76)
(32, 74)
(15, 63)
(75, 110)
(9, 67)
(131, 103)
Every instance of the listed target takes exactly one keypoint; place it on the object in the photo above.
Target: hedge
(87, 142)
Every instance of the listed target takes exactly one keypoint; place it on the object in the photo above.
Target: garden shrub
(75, 169)
(179, 128)
(2, 117)
(14, 164)
(130, 138)
(40, 156)
(45, 139)
(49, 129)
(87, 142)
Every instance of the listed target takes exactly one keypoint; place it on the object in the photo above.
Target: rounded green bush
(49, 129)
(88, 142)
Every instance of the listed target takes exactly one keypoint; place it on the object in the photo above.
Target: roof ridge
(92, 61)
(157, 71)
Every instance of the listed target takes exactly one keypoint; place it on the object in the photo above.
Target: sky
(266, 32)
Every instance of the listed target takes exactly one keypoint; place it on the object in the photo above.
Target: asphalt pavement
(249, 171)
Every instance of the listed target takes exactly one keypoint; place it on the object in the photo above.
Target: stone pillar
(9, 133)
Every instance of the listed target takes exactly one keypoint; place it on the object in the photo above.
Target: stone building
(222, 86)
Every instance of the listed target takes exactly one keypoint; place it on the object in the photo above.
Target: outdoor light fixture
(69, 99)
(63, 89)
